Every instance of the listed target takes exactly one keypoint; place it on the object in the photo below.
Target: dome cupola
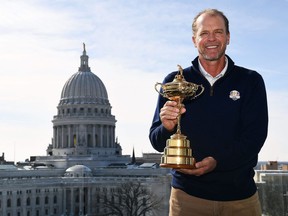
(84, 87)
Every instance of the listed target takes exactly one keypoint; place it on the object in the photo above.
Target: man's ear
(194, 41)
(228, 40)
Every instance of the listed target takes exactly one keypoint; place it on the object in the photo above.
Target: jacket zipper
(211, 90)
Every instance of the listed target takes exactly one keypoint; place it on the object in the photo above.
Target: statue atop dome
(84, 67)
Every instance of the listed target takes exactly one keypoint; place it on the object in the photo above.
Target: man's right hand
(169, 113)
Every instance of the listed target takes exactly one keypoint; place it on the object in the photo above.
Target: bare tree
(130, 199)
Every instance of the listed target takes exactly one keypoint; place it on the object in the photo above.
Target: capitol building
(83, 162)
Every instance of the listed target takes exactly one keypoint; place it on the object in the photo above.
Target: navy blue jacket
(231, 131)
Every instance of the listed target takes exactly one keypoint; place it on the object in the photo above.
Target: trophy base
(178, 154)
(178, 166)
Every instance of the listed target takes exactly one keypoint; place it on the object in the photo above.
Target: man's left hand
(207, 165)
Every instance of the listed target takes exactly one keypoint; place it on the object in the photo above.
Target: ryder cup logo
(234, 95)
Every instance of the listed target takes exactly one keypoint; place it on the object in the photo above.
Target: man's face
(210, 37)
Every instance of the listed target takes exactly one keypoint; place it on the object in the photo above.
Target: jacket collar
(195, 64)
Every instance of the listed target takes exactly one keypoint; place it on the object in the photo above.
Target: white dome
(78, 171)
(84, 87)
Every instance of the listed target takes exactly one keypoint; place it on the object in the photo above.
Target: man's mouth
(211, 47)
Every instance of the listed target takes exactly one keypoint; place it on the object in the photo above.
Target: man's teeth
(211, 47)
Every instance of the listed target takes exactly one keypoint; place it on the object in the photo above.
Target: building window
(46, 200)
(18, 202)
(55, 199)
(9, 203)
(28, 201)
(37, 201)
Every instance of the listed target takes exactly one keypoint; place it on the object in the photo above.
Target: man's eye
(204, 34)
(219, 32)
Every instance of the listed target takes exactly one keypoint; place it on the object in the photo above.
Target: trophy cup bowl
(178, 153)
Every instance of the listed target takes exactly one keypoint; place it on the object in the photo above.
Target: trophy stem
(178, 124)
(180, 105)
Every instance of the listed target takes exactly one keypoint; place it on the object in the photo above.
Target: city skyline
(131, 45)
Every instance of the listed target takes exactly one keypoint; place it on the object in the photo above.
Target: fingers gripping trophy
(178, 153)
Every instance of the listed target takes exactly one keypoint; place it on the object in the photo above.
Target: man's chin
(213, 58)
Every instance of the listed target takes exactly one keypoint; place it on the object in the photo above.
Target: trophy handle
(197, 88)
(158, 90)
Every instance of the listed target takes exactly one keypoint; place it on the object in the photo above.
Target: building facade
(272, 183)
(83, 161)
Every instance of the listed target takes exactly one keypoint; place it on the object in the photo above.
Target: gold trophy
(178, 153)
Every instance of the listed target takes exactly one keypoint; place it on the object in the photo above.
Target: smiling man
(227, 127)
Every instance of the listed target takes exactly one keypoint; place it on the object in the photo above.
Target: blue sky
(132, 44)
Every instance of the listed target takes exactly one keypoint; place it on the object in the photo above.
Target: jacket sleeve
(252, 131)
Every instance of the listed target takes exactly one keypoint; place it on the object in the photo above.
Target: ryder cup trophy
(178, 153)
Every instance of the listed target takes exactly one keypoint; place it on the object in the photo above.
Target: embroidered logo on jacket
(234, 95)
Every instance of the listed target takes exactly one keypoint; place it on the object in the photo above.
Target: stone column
(62, 136)
(101, 136)
(93, 136)
(72, 200)
(69, 136)
(54, 136)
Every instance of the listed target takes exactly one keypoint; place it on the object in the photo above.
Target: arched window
(37, 201)
(8, 203)
(55, 199)
(28, 201)
(18, 202)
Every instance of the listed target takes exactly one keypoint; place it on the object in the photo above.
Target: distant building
(272, 183)
(149, 158)
(4, 162)
(270, 165)
(83, 160)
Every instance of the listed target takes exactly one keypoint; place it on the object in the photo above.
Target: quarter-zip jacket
(228, 122)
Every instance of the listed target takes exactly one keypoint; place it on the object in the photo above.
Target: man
(226, 125)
